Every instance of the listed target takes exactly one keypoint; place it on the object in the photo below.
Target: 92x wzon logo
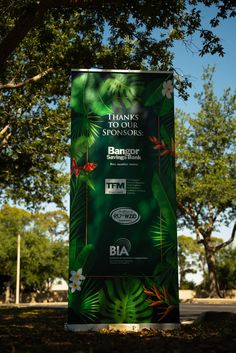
(125, 216)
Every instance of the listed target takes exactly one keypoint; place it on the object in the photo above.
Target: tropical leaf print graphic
(85, 303)
(123, 301)
(122, 271)
(122, 89)
(160, 235)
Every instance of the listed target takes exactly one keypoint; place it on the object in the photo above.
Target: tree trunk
(211, 264)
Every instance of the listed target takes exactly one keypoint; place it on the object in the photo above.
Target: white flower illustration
(167, 89)
(75, 286)
(76, 276)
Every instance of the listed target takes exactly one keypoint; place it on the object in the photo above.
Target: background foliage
(206, 170)
(43, 246)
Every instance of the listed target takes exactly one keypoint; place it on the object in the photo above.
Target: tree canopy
(40, 41)
(44, 250)
(206, 170)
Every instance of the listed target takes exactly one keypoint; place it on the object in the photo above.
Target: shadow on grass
(40, 330)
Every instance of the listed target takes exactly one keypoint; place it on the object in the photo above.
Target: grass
(41, 330)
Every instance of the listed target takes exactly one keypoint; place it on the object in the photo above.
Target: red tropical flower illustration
(88, 167)
(160, 297)
(161, 145)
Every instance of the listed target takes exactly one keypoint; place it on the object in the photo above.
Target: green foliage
(206, 155)
(43, 250)
(123, 301)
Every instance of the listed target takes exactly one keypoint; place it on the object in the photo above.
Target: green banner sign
(123, 243)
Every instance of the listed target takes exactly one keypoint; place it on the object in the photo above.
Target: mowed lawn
(41, 330)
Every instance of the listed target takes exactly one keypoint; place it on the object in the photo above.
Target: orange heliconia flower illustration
(161, 145)
(159, 297)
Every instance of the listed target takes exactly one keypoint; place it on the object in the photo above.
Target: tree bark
(214, 290)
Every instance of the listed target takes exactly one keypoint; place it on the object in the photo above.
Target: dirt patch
(41, 330)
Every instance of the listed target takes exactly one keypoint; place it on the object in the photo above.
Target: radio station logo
(122, 247)
(125, 216)
(115, 186)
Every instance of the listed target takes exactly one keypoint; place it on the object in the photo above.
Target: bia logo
(122, 247)
(115, 186)
(118, 251)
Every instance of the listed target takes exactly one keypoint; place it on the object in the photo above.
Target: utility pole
(18, 271)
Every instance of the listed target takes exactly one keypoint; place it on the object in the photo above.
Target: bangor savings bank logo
(125, 216)
(122, 247)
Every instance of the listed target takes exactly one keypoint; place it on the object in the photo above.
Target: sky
(191, 64)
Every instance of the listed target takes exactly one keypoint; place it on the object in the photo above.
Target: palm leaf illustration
(160, 235)
(82, 257)
(166, 272)
(167, 107)
(85, 96)
(85, 303)
(88, 106)
(77, 208)
(123, 301)
(86, 125)
(152, 94)
(165, 205)
(154, 97)
(122, 89)
(78, 89)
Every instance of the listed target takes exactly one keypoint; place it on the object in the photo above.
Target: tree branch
(13, 85)
(5, 139)
(199, 230)
(211, 217)
(30, 18)
(224, 244)
(4, 130)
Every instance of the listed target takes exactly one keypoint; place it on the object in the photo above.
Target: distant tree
(226, 268)
(40, 41)
(206, 169)
(191, 259)
(43, 255)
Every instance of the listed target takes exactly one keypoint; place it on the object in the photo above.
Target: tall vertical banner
(123, 242)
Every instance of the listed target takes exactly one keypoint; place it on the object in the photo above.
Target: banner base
(120, 327)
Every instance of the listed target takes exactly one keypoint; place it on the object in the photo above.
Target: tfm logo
(115, 186)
